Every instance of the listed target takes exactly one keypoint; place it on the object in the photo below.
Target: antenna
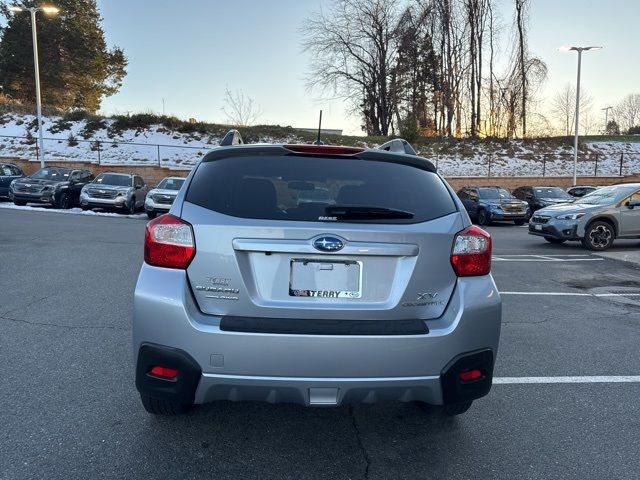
(318, 141)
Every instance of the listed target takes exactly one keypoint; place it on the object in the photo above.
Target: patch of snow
(72, 211)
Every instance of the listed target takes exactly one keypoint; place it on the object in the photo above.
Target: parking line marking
(580, 379)
(573, 294)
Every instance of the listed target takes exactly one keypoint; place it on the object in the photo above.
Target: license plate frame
(305, 271)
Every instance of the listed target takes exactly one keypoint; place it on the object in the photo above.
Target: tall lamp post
(34, 33)
(575, 137)
(606, 118)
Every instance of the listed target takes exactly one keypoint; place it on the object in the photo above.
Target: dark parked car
(56, 186)
(540, 197)
(579, 191)
(488, 204)
(8, 173)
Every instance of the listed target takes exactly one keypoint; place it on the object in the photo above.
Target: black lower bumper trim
(296, 326)
(182, 389)
(456, 391)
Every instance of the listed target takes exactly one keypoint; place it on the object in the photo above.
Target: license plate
(325, 278)
(537, 227)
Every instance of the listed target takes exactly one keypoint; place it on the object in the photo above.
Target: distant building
(323, 131)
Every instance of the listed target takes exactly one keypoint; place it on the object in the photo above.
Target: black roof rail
(398, 145)
(231, 138)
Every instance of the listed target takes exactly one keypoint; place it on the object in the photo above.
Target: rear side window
(307, 188)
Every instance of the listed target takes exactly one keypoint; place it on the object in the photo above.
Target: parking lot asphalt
(69, 408)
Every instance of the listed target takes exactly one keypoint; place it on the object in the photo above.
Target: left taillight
(169, 242)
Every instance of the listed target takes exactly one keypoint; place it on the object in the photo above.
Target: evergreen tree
(77, 69)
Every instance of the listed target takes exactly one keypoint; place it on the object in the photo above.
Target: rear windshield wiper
(347, 212)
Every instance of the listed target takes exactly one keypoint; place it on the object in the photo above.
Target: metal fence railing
(114, 152)
(539, 164)
(104, 152)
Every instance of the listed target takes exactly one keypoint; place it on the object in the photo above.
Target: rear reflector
(164, 372)
(169, 242)
(470, 375)
(324, 149)
(471, 253)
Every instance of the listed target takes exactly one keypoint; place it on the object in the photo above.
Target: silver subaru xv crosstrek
(378, 290)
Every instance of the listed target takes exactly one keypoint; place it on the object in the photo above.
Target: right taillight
(169, 243)
(471, 253)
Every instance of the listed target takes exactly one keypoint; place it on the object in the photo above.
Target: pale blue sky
(187, 51)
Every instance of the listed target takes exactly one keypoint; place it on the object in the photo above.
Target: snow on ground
(72, 211)
(159, 145)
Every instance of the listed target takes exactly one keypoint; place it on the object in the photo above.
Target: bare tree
(241, 110)
(354, 47)
(563, 106)
(627, 112)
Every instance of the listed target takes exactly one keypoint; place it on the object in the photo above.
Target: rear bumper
(320, 369)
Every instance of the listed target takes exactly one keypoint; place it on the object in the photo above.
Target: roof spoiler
(231, 138)
(398, 145)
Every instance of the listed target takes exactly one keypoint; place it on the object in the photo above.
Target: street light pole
(34, 34)
(36, 64)
(606, 118)
(575, 137)
(577, 119)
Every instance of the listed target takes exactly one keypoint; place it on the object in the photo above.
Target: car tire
(160, 406)
(64, 202)
(598, 236)
(483, 219)
(555, 241)
(19, 203)
(132, 207)
(152, 215)
(519, 222)
(453, 409)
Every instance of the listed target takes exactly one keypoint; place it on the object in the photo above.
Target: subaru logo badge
(328, 244)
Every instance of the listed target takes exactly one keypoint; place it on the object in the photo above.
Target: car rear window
(303, 188)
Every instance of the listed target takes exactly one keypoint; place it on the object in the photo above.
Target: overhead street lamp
(575, 137)
(606, 119)
(33, 10)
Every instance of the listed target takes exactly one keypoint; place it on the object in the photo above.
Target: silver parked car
(595, 220)
(124, 192)
(379, 291)
(160, 199)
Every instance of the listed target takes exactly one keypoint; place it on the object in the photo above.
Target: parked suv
(160, 199)
(56, 186)
(8, 173)
(488, 204)
(119, 191)
(381, 292)
(540, 197)
(596, 220)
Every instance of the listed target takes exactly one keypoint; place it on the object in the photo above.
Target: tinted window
(463, 194)
(115, 179)
(171, 184)
(550, 192)
(6, 170)
(52, 174)
(494, 194)
(302, 188)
